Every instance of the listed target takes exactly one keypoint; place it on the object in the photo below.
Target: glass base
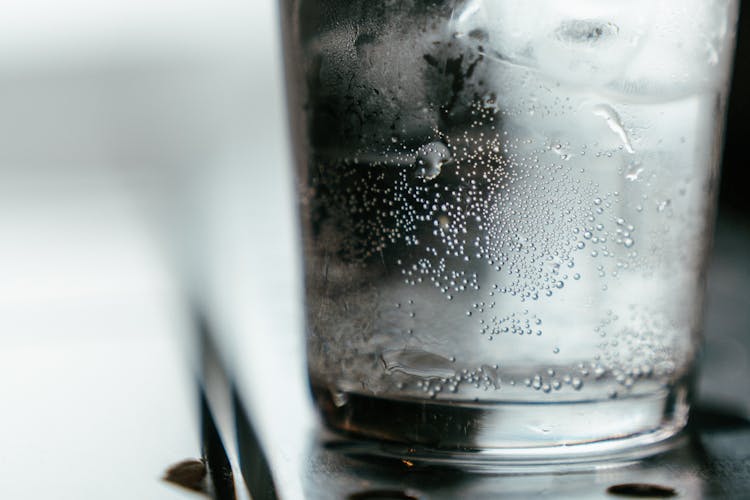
(505, 436)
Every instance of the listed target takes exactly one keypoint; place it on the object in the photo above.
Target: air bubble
(662, 205)
(430, 160)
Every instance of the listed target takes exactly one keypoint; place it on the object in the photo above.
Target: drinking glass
(506, 208)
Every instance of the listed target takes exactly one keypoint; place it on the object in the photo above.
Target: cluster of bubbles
(478, 211)
(549, 382)
(639, 347)
(485, 378)
(470, 200)
(516, 323)
(483, 202)
(498, 217)
(609, 239)
(437, 374)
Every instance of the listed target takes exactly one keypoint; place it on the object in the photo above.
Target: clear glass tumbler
(506, 210)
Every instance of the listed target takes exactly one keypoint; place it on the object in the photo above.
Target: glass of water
(506, 210)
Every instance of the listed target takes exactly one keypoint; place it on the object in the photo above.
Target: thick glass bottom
(498, 436)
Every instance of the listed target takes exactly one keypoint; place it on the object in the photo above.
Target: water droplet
(536, 383)
(614, 123)
(633, 171)
(662, 205)
(430, 160)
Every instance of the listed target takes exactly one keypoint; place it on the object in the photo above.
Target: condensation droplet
(430, 160)
(633, 171)
(614, 123)
(662, 205)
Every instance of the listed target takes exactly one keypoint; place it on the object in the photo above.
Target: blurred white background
(142, 146)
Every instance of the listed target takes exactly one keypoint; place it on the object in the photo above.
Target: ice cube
(585, 42)
(686, 50)
(588, 47)
(639, 48)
